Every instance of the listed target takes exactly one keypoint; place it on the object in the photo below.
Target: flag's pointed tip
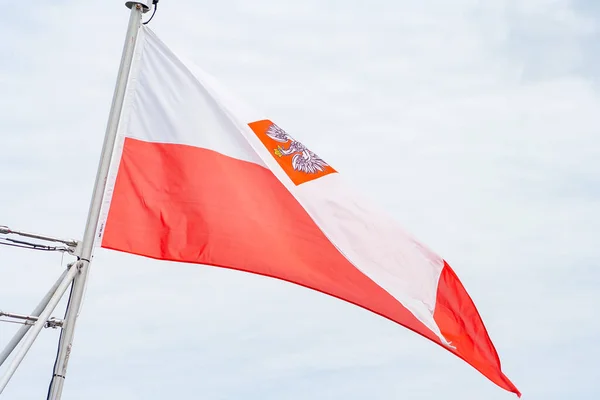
(512, 388)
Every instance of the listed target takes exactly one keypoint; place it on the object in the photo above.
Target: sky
(473, 123)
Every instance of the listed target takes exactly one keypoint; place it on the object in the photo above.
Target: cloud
(472, 123)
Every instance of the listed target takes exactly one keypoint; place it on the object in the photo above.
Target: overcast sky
(474, 123)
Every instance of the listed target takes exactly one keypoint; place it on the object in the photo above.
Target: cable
(32, 246)
(54, 375)
(155, 3)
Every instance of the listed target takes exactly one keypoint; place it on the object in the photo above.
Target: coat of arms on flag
(299, 163)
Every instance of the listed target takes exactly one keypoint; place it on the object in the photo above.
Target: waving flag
(199, 177)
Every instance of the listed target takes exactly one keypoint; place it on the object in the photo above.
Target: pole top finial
(144, 3)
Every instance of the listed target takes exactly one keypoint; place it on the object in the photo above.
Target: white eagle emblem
(303, 159)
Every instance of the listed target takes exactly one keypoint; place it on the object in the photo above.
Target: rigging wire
(32, 246)
(54, 375)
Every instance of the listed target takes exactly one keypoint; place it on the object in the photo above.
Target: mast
(87, 244)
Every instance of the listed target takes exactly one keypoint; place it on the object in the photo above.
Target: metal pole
(18, 316)
(87, 245)
(37, 327)
(36, 313)
(5, 230)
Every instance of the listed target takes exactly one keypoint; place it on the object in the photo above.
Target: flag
(199, 177)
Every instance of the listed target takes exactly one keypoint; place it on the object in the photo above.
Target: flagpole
(87, 244)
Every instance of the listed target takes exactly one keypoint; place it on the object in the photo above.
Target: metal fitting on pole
(145, 4)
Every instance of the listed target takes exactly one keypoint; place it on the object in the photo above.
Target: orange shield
(298, 162)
